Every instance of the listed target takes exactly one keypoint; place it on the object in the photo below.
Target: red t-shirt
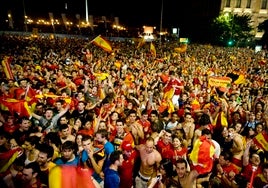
(126, 170)
(166, 150)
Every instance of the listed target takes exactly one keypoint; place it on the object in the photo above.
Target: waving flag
(152, 49)
(102, 43)
(261, 140)
(6, 67)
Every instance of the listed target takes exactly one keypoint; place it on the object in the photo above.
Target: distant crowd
(74, 115)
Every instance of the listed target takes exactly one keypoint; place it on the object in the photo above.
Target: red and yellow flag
(20, 107)
(152, 49)
(6, 67)
(65, 176)
(102, 43)
(202, 155)
(261, 140)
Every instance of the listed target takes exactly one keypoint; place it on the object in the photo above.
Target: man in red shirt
(164, 144)
(127, 170)
(146, 124)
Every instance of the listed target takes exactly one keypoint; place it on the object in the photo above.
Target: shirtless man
(186, 179)
(150, 160)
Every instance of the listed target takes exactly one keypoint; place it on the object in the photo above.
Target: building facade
(257, 9)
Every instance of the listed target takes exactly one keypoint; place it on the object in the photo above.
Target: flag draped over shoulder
(65, 176)
(102, 43)
(261, 140)
(6, 67)
(152, 49)
(202, 155)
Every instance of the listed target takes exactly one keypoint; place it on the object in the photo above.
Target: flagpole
(161, 21)
(86, 11)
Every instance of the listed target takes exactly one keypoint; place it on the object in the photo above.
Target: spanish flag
(261, 140)
(6, 67)
(152, 49)
(102, 43)
(202, 155)
(65, 176)
(20, 107)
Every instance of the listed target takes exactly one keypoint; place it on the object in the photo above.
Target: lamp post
(161, 22)
(86, 11)
(24, 16)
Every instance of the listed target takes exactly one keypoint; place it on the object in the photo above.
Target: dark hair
(206, 132)
(68, 145)
(182, 160)
(103, 133)
(63, 126)
(33, 140)
(34, 166)
(227, 155)
(115, 155)
(54, 138)
(45, 148)
(204, 120)
(86, 137)
(20, 120)
(168, 167)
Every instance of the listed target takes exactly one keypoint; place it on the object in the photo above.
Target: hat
(126, 146)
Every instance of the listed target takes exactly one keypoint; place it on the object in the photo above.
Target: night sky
(188, 15)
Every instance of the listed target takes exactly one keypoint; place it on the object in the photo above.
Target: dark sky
(185, 14)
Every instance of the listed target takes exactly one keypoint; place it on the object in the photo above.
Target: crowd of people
(74, 115)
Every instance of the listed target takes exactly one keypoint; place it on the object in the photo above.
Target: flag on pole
(102, 43)
(152, 49)
(6, 67)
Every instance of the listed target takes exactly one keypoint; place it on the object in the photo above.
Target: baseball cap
(126, 146)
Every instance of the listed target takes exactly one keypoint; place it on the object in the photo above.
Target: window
(264, 4)
(228, 3)
(238, 4)
(248, 4)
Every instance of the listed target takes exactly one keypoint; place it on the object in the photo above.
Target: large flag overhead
(152, 49)
(102, 43)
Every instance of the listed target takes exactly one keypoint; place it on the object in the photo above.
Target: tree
(232, 29)
(264, 27)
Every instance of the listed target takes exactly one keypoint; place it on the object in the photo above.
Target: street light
(161, 21)
(25, 16)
